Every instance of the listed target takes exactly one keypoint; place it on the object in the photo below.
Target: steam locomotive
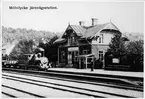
(29, 61)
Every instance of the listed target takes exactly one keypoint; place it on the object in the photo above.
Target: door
(69, 57)
(72, 57)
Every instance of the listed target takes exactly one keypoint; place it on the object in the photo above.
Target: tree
(117, 46)
(135, 47)
(131, 52)
(50, 49)
(135, 51)
(10, 34)
(23, 47)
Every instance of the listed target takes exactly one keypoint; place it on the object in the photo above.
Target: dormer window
(101, 38)
(72, 39)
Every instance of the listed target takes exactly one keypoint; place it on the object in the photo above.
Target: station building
(80, 44)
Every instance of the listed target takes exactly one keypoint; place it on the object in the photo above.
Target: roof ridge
(87, 31)
(91, 25)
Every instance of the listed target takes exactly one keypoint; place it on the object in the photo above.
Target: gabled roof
(78, 29)
(86, 32)
(93, 31)
(111, 26)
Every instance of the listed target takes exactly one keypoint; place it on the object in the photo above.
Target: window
(69, 40)
(72, 40)
(101, 38)
(63, 56)
(75, 54)
(101, 55)
(69, 57)
(85, 51)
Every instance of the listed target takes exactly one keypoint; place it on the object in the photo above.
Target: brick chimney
(81, 23)
(94, 21)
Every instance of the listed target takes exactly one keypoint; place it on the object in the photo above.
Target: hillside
(10, 35)
(134, 36)
(15, 35)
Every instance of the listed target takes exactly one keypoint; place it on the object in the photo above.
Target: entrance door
(72, 57)
(69, 57)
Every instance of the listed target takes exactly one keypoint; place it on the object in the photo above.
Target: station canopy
(85, 56)
(60, 40)
(41, 49)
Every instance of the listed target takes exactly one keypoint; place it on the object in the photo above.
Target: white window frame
(101, 55)
(101, 38)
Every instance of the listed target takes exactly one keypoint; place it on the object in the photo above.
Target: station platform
(100, 71)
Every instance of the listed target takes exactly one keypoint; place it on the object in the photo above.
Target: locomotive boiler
(37, 61)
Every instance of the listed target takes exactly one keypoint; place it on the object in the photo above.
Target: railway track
(62, 87)
(66, 85)
(19, 90)
(123, 83)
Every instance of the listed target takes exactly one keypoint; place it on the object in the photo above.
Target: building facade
(79, 43)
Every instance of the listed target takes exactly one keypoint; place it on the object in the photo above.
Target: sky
(127, 16)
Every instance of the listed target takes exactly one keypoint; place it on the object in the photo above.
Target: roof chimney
(94, 21)
(82, 23)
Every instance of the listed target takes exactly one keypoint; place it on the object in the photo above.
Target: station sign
(73, 49)
(115, 60)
